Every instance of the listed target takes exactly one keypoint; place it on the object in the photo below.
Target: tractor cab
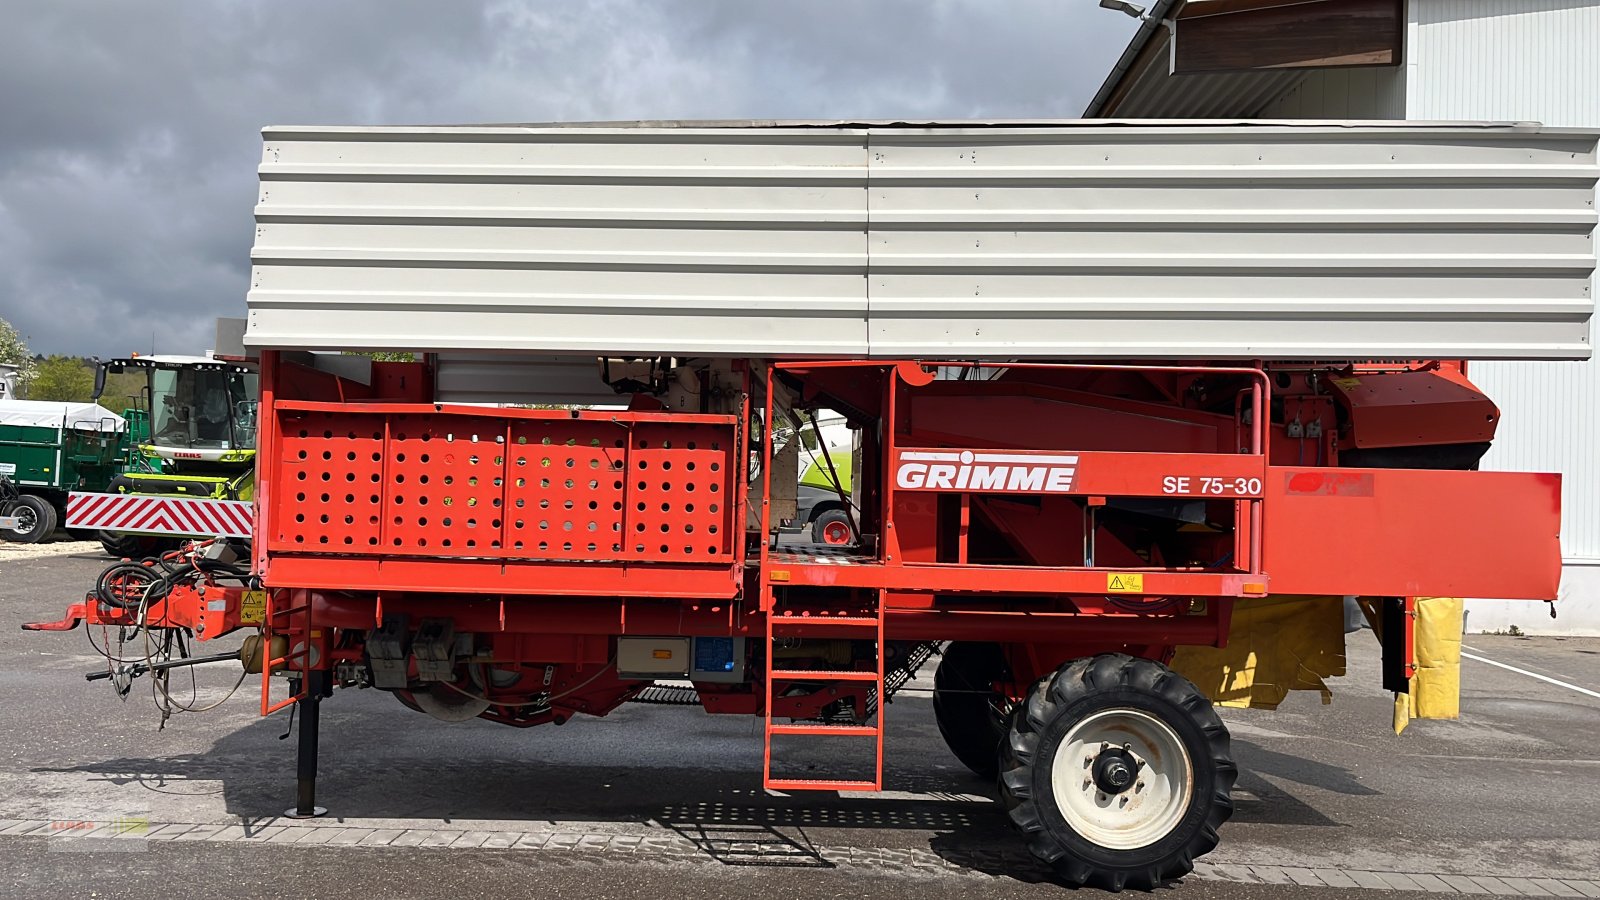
(202, 413)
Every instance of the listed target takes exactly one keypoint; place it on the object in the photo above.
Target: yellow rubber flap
(1436, 686)
(1275, 645)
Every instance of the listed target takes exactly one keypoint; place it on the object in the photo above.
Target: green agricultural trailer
(46, 450)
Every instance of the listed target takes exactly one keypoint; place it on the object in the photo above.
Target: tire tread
(1071, 683)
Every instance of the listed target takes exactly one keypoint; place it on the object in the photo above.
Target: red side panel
(1412, 532)
(473, 500)
(1406, 409)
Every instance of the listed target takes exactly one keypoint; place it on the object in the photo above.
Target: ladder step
(821, 675)
(830, 621)
(820, 784)
(818, 728)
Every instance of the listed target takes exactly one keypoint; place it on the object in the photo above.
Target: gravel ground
(57, 546)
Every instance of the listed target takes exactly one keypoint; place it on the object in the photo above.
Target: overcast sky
(130, 131)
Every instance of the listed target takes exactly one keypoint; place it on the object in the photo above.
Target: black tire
(120, 545)
(1116, 685)
(829, 520)
(972, 716)
(37, 519)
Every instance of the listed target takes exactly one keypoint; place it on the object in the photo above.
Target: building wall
(1369, 93)
(1505, 60)
(1508, 60)
(1527, 60)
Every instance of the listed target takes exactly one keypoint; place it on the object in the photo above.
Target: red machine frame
(374, 502)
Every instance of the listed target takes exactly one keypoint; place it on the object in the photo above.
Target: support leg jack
(305, 806)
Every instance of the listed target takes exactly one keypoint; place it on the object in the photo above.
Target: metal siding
(521, 379)
(1527, 60)
(1360, 93)
(1154, 240)
(1213, 241)
(593, 240)
(1549, 424)
(1533, 60)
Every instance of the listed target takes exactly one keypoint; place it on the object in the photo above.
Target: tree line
(62, 378)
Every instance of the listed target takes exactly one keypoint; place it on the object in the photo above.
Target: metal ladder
(781, 624)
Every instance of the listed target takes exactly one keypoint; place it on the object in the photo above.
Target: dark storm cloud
(129, 132)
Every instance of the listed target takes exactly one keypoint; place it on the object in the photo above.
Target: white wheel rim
(1145, 812)
(27, 519)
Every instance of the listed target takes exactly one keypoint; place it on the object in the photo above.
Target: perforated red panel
(678, 490)
(446, 485)
(600, 487)
(329, 493)
(565, 494)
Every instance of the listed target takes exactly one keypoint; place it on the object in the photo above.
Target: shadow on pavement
(375, 765)
(420, 774)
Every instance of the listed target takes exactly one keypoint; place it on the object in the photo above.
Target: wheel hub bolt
(1114, 771)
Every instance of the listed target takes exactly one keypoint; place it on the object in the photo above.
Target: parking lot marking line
(1532, 666)
(1465, 758)
(1555, 681)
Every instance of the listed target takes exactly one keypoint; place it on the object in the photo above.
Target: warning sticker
(1347, 383)
(252, 607)
(1125, 582)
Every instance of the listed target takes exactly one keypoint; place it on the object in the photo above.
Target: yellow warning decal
(1125, 582)
(1347, 383)
(252, 607)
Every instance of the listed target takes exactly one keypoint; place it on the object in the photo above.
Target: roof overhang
(1232, 58)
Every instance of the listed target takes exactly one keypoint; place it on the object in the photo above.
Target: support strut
(305, 806)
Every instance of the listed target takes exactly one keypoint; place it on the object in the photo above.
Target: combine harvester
(198, 442)
(1118, 389)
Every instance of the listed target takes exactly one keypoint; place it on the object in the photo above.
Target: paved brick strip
(773, 847)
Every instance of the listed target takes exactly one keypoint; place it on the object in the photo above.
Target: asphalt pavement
(97, 800)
